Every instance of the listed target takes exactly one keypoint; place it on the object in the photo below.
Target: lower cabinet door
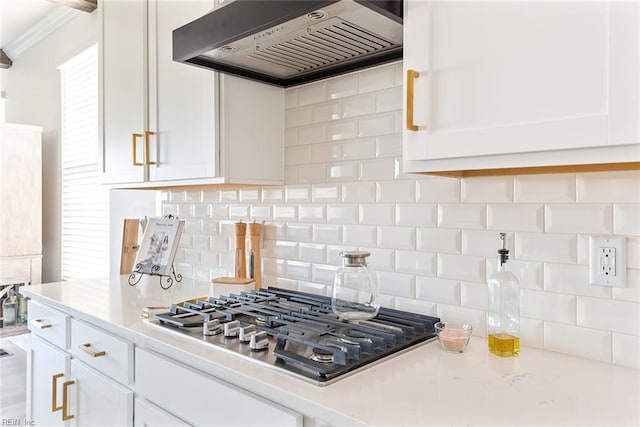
(149, 415)
(96, 400)
(48, 372)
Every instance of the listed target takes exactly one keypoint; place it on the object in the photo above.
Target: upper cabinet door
(182, 100)
(122, 90)
(507, 79)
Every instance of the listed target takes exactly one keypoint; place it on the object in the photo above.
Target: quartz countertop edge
(423, 386)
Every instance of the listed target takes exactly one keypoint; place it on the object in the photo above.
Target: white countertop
(424, 386)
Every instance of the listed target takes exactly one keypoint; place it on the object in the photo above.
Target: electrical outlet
(608, 261)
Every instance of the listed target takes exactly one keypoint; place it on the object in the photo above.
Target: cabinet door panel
(44, 364)
(519, 77)
(182, 99)
(123, 83)
(97, 400)
(149, 415)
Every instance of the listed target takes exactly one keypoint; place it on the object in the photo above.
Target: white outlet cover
(620, 245)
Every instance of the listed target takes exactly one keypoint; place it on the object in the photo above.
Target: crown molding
(40, 30)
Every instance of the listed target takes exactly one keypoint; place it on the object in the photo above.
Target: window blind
(85, 203)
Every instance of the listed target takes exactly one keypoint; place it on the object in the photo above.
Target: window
(85, 203)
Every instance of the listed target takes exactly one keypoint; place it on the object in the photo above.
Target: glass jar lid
(354, 258)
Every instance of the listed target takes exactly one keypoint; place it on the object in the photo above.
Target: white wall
(432, 240)
(32, 88)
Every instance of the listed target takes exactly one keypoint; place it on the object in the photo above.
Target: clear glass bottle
(503, 315)
(355, 288)
(10, 309)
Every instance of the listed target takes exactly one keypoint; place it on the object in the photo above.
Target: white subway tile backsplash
(552, 188)
(438, 240)
(342, 213)
(360, 235)
(559, 308)
(388, 145)
(578, 218)
(375, 79)
(432, 240)
(470, 216)
(327, 233)
(616, 187)
(626, 219)
(576, 341)
(361, 148)
(342, 87)
(512, 217)
(546, 247)
(474, 295)
(359, 192)
(396, 237)
(417, 215)
(531, 333)
(359, 105)
(377, 213)
(376, 124)
(438, 190)
(377, 169)
(396, 284)
(626, 350)
(342, 129)
(311, 94)
(497, 189)
(464, 268)
(438, 290)
(609, 315)
(572, 279)
(396, 191)
(345, 171)
(418, 263)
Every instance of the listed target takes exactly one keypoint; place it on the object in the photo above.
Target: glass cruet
(355, 288)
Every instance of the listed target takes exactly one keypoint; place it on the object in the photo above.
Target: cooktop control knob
(232, 329)
(212, 327)
(247, 332)
(259, 341)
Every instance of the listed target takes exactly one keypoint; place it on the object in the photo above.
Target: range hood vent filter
(343, 36)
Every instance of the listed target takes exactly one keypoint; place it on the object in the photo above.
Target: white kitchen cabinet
(76, 373)
(231, 405)
(149, 415)
(165, 123)
(520, 84)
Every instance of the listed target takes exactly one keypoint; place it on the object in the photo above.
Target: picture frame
(159, 246)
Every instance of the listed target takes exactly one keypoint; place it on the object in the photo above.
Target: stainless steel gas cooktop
(296, 332)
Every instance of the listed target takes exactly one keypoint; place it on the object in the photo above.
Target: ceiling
(17, 16)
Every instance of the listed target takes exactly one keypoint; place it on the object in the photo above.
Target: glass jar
(355, 288)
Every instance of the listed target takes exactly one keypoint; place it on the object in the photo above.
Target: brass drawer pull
(135, 149)
(65, 400)
(39, 323)
(411, 76)
(147, 133)
(54, 393)
(90, 351)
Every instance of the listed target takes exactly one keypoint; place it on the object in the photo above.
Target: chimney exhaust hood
(291, 42)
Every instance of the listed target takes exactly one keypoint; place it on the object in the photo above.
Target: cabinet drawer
(102, 351)
(157, 379)
(48, 323)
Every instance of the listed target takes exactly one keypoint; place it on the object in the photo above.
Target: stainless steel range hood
(290, 42)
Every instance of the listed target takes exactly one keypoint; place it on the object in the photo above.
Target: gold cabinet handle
(39, 323)
(147, 133)
(411, 76)
(54, 393)
(135, 136)
(90, 351)
(65, 400)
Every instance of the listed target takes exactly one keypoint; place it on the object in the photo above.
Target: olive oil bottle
(503, 314)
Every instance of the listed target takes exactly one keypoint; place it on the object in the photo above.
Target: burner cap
(321, 355)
